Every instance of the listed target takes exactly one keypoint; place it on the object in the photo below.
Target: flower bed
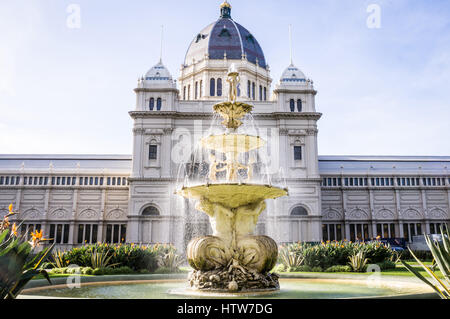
(335, 256)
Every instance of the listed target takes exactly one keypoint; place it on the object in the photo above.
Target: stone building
(85, 199)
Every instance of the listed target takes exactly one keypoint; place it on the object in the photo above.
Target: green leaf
(425, 280)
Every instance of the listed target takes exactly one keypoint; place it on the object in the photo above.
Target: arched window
(299, 105)
(260, 93)
(239, 89)
(292, 105)
(158, 104)
(184, 93)
(212, 87)
(189, 92)
(253, 90)
(265, 94)
(299, 211)
(152, 104)
(201, 88)
(151, 211)
(249, 94)
(196, 90)
(219, 87)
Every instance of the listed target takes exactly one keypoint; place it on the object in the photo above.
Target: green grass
(399, 271)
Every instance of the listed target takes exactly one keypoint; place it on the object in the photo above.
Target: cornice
(274, 115)
(286, 90)
(159, 90)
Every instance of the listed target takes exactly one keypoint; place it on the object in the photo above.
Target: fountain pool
(304, 288)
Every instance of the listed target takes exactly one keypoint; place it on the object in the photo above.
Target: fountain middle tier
(233, 195)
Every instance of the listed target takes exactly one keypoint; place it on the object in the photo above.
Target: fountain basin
(298, 288)
(233, 195)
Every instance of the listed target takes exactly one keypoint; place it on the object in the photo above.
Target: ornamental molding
(88, 214)
(384, 214)
(297, 132)
(437, 213)
(209, 115)
(312, 132)
(154, 132)
(357, 214)
(412, 213)
(137, 131)
(333, 214)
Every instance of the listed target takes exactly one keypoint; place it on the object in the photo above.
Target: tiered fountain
(233, 259)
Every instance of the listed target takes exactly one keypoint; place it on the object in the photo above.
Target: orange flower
(10, 208)
(14, 229)
(36, 237)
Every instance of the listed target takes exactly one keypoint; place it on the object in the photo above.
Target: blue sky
(382, 91)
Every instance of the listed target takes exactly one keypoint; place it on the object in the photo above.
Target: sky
(67, 88)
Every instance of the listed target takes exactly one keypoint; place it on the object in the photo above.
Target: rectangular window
(66, 234)
(352, 232)
(419, 229)
(52, 234)
(379, 233)
(123, 233)
(116, 234)
(80, 233)
(406, 232)
(297, 153)
(332, 232)
(153, 154)
(94, 233)
(87, 234)
(338, 232)
(386, 230)
(325, 232)
(108, 234)
(393, 231)
(58, 233)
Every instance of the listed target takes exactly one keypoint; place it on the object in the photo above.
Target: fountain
(233, 259)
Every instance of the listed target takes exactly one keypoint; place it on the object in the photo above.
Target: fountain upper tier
(232, 143)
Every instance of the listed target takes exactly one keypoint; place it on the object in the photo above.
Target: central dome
(225, 37)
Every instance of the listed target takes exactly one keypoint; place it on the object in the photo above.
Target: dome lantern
(225, 10)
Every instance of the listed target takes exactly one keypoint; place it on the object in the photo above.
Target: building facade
(87, 199)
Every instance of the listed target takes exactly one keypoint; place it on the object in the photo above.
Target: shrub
(326, 255)
(303, 268)
(290, 259)
(87, 271)
(339, 268)
(19, 262)
(97, 272)
(279, 268)
(170, 260)
(317, 269)
(358, 262)
(136, 257)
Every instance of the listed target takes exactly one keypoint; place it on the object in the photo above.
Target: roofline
(64, 157)
(375, 158)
